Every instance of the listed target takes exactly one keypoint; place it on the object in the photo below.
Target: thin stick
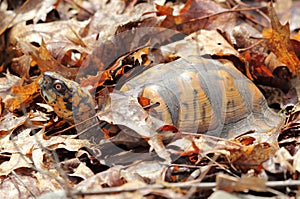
(202, 185)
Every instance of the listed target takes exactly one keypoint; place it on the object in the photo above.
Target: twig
(251, 46)
(202, 185)
(20, 181)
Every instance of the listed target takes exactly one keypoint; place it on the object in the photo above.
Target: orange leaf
(138, 55)
(263, 71)
(144, 101)
(168, 128)
(22, 95)
(280, 43)
(46, 62)
(163, 10)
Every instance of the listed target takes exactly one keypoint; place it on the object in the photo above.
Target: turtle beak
(47, 98)
(40, 82)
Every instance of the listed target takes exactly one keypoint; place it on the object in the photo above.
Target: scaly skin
(72, 103)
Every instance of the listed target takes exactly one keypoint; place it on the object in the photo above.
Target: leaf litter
(142, 156)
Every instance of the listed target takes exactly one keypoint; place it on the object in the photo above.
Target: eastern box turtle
(198, 95)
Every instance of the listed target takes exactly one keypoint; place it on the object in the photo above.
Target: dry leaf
(9, 122)
(230, 184)
(136, 119)
(16, 161)
(196, 15)
(6, 84)
(19, 185)
(98, 45)
(82, 171)
(22, 96)
(280, 43)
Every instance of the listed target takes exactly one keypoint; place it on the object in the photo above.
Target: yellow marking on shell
(198, 114)
(257, 98)
(233, 105)
(161, 111)
(261, 116)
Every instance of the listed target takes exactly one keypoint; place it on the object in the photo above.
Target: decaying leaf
(6, 84)
(280, 43)
(46, 61)
(240, 152)
(202, 42)
(13, 186)
(82, 171)
(110, 177)
(102, 45)
(16, 161)
(22, 96)
(196, 15)
(138, 119)
(10, 122)
(230, 184)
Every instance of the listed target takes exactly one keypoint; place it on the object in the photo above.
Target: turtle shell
(202, 95)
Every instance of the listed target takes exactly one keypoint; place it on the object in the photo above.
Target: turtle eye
(59, 86)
